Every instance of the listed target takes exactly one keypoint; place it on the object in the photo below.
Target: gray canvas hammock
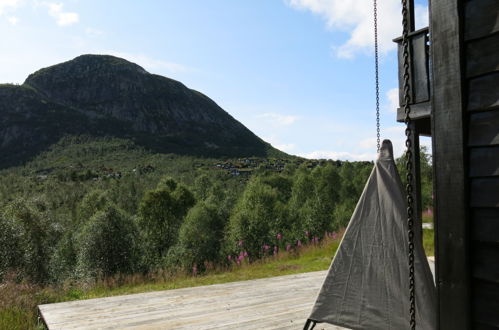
(366, 286)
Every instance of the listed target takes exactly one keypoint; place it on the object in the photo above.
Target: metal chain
(409, 165)
(376, 72)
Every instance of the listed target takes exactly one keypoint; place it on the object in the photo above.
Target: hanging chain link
(376, 73)
(409, 165)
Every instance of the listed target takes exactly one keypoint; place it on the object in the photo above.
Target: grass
(19, 301)
(310, 258)
(428, 242)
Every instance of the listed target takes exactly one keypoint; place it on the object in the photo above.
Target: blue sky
(298, 73)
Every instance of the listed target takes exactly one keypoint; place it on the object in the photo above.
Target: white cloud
(343, 155)
(277, 143)
(278, 119)
(93, 32)
(356, 18)
(62, 18)
(393, 99)
(285, 147)
(6, 5)
(368, 143)
(364, 149)
(151, 64)
(13, 20)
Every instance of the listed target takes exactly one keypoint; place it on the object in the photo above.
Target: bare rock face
(108, 96)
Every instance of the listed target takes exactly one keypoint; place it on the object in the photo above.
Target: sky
(298, 73)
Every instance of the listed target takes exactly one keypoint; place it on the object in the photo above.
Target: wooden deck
(282, 302)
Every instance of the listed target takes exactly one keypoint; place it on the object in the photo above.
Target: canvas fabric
(367, 286)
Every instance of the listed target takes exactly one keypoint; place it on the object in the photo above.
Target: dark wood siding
(481, 35)
(452, 232)
(465, 129)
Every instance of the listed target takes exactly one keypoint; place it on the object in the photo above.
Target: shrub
(200, 236)
(93, 202)
(257, 218)
(108, 244)
(11, 242)
(314, 199)
(161, 213)
(25, 232)
(63, 262)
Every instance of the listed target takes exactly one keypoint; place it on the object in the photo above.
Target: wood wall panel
(485, 225)
(483, 92)
(485, 304)
(484, 128)
(482, 18)
(484, 161)
(481, 62)
(484, 262)
(481, 326)
(485, 192)
(481, 56)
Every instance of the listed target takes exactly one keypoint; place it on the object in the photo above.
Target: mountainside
(100, 95)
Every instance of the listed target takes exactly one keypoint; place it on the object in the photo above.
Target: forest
(66, 217)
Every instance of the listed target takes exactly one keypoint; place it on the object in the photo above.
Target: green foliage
(63, 262)
(426, 175)
(11, 240)
(202, 186)
(314, 199)
(108, 244)
(28, 234)
(93, 202)
(201, 236)
(161, 213)
(79, 178)
(257, 218)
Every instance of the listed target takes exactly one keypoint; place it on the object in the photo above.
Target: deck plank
(282, 302)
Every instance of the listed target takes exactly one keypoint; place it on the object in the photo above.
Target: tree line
(54, 231)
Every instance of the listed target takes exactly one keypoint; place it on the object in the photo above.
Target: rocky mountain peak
(102, 95)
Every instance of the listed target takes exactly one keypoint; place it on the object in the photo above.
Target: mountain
(106, 96)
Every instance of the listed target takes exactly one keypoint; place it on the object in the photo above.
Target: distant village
(245, 166)
(242, 168)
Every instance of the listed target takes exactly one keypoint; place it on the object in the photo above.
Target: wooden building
(455, 91)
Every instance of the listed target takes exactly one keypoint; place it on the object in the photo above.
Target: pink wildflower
(229, 257)
(288, 247)
(245, 254)
(194, 270)
(240, 243)
(298, 243)
(276, 250)
(307, 233)
(334, 235)
(279, 236)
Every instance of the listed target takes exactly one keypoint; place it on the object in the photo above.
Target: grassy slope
(18, 301)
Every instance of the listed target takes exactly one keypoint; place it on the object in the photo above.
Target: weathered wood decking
(282, 302)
